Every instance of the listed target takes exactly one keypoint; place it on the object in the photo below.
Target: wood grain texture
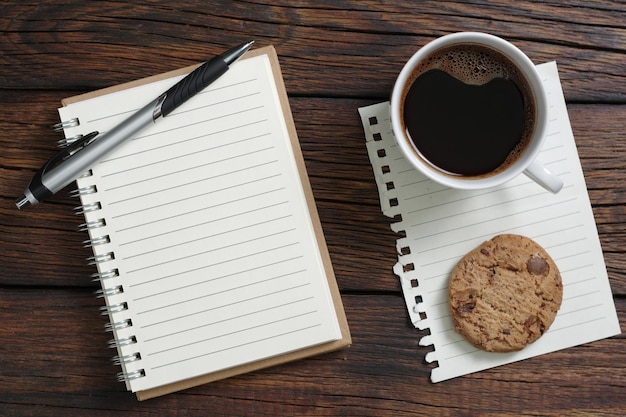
(361, 44)
(336, 56)
(70, 372)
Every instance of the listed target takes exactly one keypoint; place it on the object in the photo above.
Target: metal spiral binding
(65, 142)
(123, 377)
(91, 189)
(99, 240)
(111, 273)
(86, 174)
(118, 325)
(100, 258)
(106, 292)
(73, 122)
(87, 208)
(93, 224)
(116, 343)
(118, 360)
(114, 308)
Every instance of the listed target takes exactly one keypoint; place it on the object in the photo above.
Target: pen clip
(81, 143)
(62, 154)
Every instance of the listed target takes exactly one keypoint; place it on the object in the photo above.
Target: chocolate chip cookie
(505, 293)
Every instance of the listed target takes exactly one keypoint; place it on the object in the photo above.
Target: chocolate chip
(466, 308)
(484, 251)
(506, 331)
(529, 322)
(537, 265)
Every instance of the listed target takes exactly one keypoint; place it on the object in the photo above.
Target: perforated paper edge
(377, 128)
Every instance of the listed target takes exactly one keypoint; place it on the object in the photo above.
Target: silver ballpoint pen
(66, 166)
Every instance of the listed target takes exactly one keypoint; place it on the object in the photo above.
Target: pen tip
(22, 202)
(234, 54)
(247, 45)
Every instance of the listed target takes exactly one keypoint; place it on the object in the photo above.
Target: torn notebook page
(441, 224)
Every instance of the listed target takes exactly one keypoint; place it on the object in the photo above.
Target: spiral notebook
(205, 233)
(438, 225)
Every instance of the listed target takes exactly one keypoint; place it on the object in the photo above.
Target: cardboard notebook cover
(345, 340)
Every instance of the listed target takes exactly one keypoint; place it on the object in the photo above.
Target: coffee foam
(472, 64)
(476, 64)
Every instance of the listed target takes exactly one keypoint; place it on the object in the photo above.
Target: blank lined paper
(441, 225)
(209, 229)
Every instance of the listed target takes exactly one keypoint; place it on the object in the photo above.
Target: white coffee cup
(526, 163)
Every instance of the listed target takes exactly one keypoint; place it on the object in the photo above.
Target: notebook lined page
(210, 229)
(442, 224)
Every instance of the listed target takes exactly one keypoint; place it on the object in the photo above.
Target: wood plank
(117, 42)
(56, 363)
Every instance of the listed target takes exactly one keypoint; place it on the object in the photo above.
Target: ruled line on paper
(210, 149)
(201, 180)
(236, 316)
(579, 324)
(204, 135)
(236, 258)
(195, 211)
(229, 158)
(584, 279)
(581, 309)
(204, 237)
(445, 190)
(462, 353)
(503, 230)
(233, 248)
(490, 218)
(221, 277)
(195, 225)
(491, 233)
(252, 342)
(246, 314)
(235, 332)
(193, 255)
(232, 302)
(410, 184)
(192, 196)
(198, 312)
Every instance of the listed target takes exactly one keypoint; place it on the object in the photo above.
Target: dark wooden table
(336, 56)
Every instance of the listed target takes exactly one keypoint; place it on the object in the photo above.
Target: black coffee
(469, 111)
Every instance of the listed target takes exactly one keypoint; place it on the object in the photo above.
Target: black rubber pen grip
(192, 84)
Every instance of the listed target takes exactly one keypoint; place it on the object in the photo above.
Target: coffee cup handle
(542, 176)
